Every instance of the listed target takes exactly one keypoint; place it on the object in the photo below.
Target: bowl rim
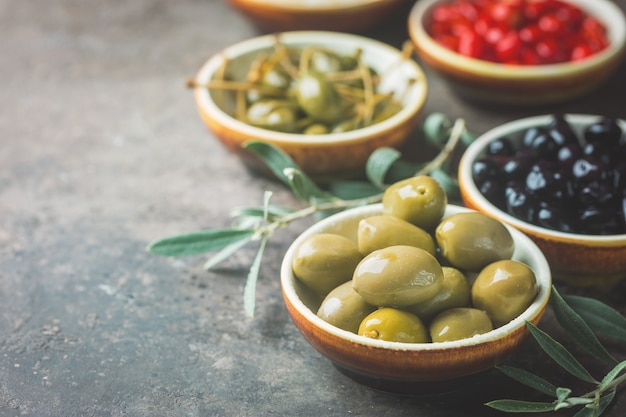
(408, 111)
(328, 6)
(604, 10)
(542, 272)
(469, 188)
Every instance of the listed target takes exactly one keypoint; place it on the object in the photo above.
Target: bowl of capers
(560, 179)
(414, 294)
(327, 99)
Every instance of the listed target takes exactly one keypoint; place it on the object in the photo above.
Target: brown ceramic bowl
(334, 15)
(485, 81)
(574, 258)
(318, 155)
(406, 366)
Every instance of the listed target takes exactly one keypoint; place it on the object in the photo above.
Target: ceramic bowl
(334, 15)
(485, 81)
(574, 258)
(406, 367)
(318, 155)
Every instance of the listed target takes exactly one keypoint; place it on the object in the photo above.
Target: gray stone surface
(102, 151)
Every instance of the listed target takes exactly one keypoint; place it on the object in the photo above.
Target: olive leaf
(449, 184)
(225, 253)
(436, 129)
(195, 243)
(559, 354)
(249, 291)
(609, 378)
(599, 316)
(529, 379)
(284, 167)
(578, 330)
(519, 406)
(352, 190)
(596, 410)
(379, 163)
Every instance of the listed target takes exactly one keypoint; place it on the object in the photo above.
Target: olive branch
(258, 224)
(576, 315)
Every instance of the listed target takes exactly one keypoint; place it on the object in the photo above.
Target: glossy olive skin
(378, 232)
(318, 98)
(459, 323)
(455, 292)
(419, 200)
(398, 276)
(324, 261)
(344, 308)
(504, 289)
(393, 325)
(472, 240)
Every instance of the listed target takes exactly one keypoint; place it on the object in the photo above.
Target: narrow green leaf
(562, 394)
(272, 211)
(578, 330)
(198, 242)
(353, 190)
(449, 184)
(275, 158)
(559, 354)
(266, 204)
(402, 169)
(517, 406)
(599, 316)
(302, 187)
(379, 163)
(610, 377)
(283, 167)
(225, 253)
(529, 379)
(249, 290)
(596, 411)
(436, 129)
(572, 402)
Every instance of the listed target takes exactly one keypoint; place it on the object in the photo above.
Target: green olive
(346, 125)
(397, 276)
(459, 323)
(318, 98)
(279, 115)
(275, 77)
(378, 232)
(316, 129)
(419, 200)
(387, 109)
(455, 292)
(393, 325)
(324, 261)
(324, 62)
(472, 240)
(344, 308)
(504, 289)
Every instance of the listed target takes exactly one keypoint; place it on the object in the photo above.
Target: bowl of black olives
(560, 179)
(414, 295)
(327, 99)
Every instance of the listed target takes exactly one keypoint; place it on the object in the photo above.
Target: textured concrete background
(101, 151)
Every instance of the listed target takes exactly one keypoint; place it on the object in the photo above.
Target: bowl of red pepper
(520, 52)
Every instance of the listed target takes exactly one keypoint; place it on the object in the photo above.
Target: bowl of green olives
(520, 53)
(336, 15)
(414, 295)
(327, 99)
(560, 179)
